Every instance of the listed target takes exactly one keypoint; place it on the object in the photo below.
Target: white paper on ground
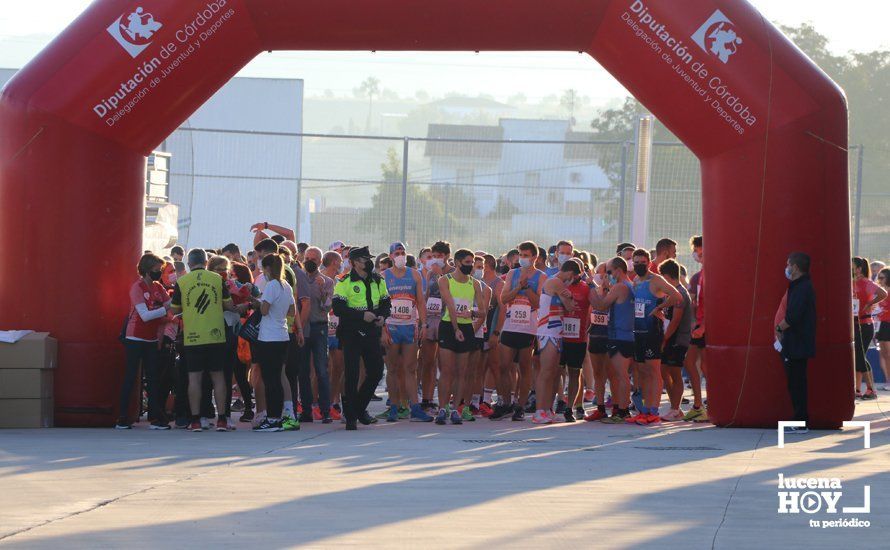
(13, 336)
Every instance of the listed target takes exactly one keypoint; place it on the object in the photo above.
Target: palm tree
(370, 87)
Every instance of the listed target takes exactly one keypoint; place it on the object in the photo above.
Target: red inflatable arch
(769, 127)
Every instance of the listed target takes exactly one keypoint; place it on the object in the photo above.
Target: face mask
(252, 266)
(563, 258)
(479, 274)
(598, 279)
(504, 269)
(466, 269)
(613, 280)
(400, 261)
(696, 256)
(311, 266)
(641, 269)
(154, 275)
(788, 272)
(525, 262)
(369, 265)
(438, 262)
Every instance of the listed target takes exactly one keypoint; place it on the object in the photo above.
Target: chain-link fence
(464, 184)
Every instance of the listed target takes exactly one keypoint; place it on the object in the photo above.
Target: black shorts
(517, 340)
(674, 356)
(573, 354)
(448, 340)
(598, 346)
(647, 346)
(624, 347)
(209, 357)
(883, 334)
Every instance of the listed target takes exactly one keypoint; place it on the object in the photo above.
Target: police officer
(362, 304)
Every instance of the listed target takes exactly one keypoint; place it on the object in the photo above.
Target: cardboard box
(26, 381)
(37, 350)
(26, 413)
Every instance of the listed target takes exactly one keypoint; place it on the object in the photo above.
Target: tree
(431, 214)
(369, 88)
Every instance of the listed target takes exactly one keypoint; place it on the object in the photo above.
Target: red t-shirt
(883, 310)
(579, 318)
(153, 297)
(864, 291)
(653, 267)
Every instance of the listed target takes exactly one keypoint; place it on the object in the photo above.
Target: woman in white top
(276, 305)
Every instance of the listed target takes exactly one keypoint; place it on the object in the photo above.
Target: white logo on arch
(718, 37)
(134, 31)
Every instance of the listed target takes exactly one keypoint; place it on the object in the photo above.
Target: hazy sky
(26, 27)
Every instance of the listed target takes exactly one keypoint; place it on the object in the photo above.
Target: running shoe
(684, 401)
(441, 417)
(335, 411)
(223, 425)
(569, 415)
(518, 413)
(195, 426)
(247, 416)
(269, 426)
(672, 415)
(637, 398)
(595, 415)
(500, 411)
(237, 405)
(326, 419)
(579, 412)
(653, 419)
(123, 425)
(206, 423)
(158, 425)
(869, 395)
(393, 413)
(694, 413)
(404, 413)
(703, 417)
(561, 407)
(316, 413)
(385, 414)
(531, 406)
(260, 416)
(467, 414)
(795, 430)
(640, 419)
(858, 394)
(614, 419)
(589, 396)
(485, 410)
(181, 424)
(456, 417)
(540, 417)
(366, 419)
(419, 415)
(289, 424)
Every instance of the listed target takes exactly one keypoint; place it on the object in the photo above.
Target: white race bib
(463, 309)
(434, 306)
(333, 323)
(521, 315)
(571, 327)
(599, 319)
(402, 309)
(856, 307)
(640, 310)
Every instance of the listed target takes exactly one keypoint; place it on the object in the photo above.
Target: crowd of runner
(290, 334)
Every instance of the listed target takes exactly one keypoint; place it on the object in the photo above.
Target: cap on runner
(337, 245)
(397, 246)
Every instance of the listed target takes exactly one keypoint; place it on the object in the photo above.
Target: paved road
(687, 486)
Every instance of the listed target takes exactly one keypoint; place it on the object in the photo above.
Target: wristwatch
(779, 329)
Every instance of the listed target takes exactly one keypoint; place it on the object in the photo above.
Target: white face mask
(696, 256)
(400, 261)
(478, 274)
(563, 258)
(525, 262)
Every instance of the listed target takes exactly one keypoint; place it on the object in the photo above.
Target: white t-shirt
(273, 327)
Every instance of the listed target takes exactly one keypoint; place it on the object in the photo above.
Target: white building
(242, 173)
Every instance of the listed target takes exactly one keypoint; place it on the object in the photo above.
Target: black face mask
(311, 266)
(369, 266)
(252, 266)
(641, 269)
(466, 269)
(154, 275)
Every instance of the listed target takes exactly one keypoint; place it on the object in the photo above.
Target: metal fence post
(403, 219)
(858, 211)
(622, 191)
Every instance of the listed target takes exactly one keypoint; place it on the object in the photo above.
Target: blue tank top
(621, 318)
(533, 282)
(403, 295)
(644, 303)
